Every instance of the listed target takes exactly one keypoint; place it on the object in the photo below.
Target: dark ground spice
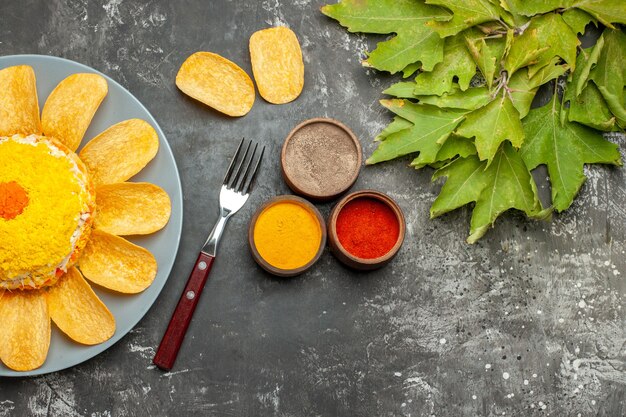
(367, 228)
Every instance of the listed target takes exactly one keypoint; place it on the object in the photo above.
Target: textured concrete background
(530, 321)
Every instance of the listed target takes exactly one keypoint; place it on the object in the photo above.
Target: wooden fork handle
(176, 330)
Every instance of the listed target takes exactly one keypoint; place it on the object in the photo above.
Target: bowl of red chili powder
(366, 229)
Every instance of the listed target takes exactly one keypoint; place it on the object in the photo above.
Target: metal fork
(234, 193)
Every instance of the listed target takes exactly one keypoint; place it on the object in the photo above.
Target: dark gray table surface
(530, 321)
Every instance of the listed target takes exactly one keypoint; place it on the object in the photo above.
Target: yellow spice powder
(287, 235)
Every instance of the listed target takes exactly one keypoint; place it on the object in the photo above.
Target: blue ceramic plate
(128, 310)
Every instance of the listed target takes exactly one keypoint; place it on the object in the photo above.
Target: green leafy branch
(467, 111)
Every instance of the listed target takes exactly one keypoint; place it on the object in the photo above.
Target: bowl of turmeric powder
(287, 235)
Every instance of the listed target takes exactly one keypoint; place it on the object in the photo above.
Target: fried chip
(19, 106)
(115, 263)
(78, 311)
(121, 151)
(131, 208)
(216, 82)
(24, 330)
(277, 64)
(71, 106)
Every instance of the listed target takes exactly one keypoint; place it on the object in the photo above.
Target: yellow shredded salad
(39, 240)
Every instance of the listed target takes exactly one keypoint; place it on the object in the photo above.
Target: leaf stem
(556, 85)
(503, 23)
(520, 30)
(502, 82)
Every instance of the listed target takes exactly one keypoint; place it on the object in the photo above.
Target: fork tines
(241, 179)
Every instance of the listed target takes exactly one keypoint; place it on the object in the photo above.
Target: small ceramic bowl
(321, 159)
(346, 257)
(255, 252)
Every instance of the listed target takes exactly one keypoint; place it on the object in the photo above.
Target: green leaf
(505, 184)
(609, 73)
(578, 20)
(414, 41)
(455, 146)
(585, 61)
(533, 7)
(606, 11)
(392, 55)
(523, 91)
(487, 55)
(467, 13)
(547, 36)
(402, 89)
(524, 50)
(586, 104)
(564, 150)
(523, 88)
(589, 108)
(518, 19)
(411, 69)
(465, 182)
(491, 125)
(431, 127)
(398, 124)
(470, 99)
(457, 62)
(555, 35)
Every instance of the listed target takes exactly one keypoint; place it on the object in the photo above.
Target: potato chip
(217, 82)
(131, 208)
(277, 64)
(78, 311)
(24, 330)
(115, 263)
(71, 106)
(121, 151)
(19, 107)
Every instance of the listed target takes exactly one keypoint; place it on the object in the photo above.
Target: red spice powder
(367, 228)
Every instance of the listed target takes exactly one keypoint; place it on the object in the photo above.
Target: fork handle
(177, 328)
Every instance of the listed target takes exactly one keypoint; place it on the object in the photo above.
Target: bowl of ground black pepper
(321, 159)
(366, 229)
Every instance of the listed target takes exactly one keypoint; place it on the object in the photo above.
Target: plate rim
(100, 348)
